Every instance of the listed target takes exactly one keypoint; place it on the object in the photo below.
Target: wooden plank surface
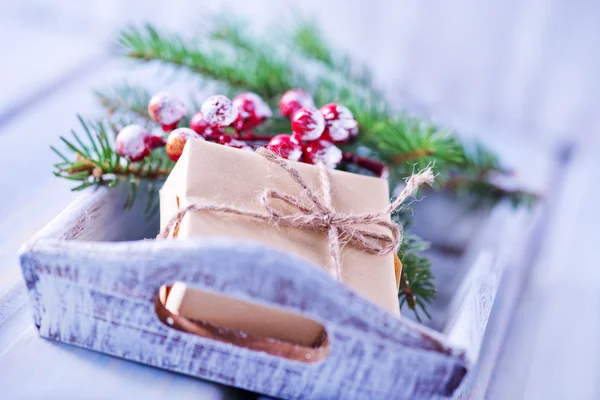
(78, 309)
(512, 69)
(554, 333)
(40, 368)
(41, 64)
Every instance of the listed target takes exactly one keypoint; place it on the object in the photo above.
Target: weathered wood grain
(519, 249)
(100, 296)
(35, 368)
(475, 297)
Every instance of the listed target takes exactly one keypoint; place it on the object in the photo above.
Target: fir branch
(229, 30)
(417, 288)
(94, 161)
(308, 39)
(405, 141)
(480, 161)
(126, 102)
(401, 141)
(258, 66)
(479, 192)
(264, 72)
(92, 169)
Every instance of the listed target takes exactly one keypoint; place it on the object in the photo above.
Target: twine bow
(319, 214)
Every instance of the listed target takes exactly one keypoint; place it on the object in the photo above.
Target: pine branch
(479, 192)
(91, 167)
(480, 161)
(126, 103)
(308, 39)
(417, 288)
(264, 72)
(406, 140)
(263, 68)
(94, 162)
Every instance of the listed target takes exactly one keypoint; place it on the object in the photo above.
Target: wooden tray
(93, 283)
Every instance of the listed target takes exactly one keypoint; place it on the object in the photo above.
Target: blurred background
(523, 66)
(520, 73)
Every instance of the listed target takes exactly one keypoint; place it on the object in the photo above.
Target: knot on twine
(319, 215)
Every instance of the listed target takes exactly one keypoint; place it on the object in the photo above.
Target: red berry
(340, 125)
(166, 109)
(203, 128)
(324, 152)
(252, 111)
(219, 111)
(229, 141)
(177, 140)
(286, 146)
(198, 124)
(308, 124)
(135, 142)
(169, 128)
(154, 141)
(293, 100)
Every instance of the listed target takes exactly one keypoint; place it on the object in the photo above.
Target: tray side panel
(101, 297)
(469, 312)
(101, 215)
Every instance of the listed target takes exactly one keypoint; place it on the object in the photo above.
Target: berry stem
(248, 136)
(405, 287)
(378, 168)
(119, 170)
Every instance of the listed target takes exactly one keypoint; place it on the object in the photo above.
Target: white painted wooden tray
(93, 283)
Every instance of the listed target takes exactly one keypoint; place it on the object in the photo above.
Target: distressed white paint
(100, 295)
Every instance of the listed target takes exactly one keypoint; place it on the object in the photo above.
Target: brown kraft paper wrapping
(208, 173)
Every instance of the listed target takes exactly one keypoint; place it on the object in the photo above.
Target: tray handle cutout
(241, 323)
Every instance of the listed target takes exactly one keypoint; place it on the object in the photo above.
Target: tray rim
(57, 240)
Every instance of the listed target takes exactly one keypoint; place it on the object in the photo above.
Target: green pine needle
(264, 72)
(126, 103)
(95, 162)
(417, 287)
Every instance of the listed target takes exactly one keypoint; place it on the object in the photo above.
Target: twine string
(353, 228)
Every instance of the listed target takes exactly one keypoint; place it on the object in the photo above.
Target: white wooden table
(467, 68)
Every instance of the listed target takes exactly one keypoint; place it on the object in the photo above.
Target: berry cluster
(315, 132)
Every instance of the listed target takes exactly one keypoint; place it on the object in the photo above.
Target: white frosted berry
(308, 124)
(285, 146)
(134, 142)
(293, 100)
(340, 125)
(252, 111)
(177, 140)
(166, 109)
(219, 111)
(322, 151)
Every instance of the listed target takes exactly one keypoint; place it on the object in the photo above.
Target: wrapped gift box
(211, 174)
